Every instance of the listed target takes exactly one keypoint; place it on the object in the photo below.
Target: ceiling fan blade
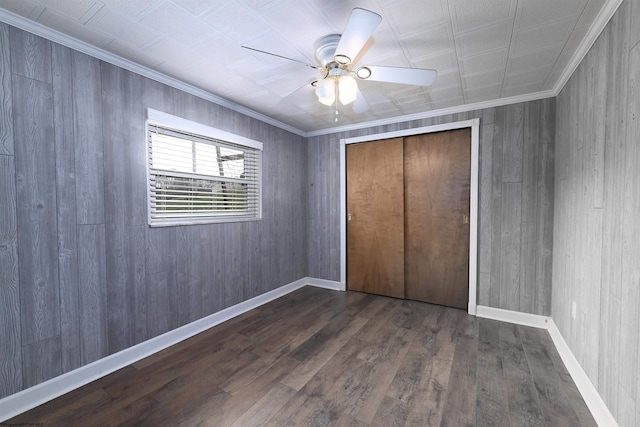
(359, 29)
(407, 76)
(315, 67)
(302, 95)
(360, 105)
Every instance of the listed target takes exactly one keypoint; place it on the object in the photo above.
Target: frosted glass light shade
(325, 88)
(347, 89)
(327, 100)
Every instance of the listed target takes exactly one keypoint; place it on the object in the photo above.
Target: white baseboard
(589, 393)
(525, 319)
(24, 400)
(327, 284)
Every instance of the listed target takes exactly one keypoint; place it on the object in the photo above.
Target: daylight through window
(197, 177)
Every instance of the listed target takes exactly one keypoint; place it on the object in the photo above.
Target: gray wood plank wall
(82, 275)
(596, 234)
(6, 109)
(10, 332)
(66, 212)
(516, 203)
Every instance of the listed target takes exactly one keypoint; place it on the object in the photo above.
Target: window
(198, 174)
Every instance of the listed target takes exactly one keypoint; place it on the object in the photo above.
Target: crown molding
(598, 25)
(436, 113)
(101, 54)
(607, 11)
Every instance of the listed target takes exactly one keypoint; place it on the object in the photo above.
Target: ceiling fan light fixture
(335, 55)
(325, 88)
(327, 100)
(363, 73)
(326, 91)
(347, 89)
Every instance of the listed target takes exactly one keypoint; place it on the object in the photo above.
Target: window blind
(194, 178)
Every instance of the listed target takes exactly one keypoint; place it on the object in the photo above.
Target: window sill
(184, 222)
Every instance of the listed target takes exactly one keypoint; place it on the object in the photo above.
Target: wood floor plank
(139, 412)
(575, 399)
(188, 409)
(460, 403)
(231, 410)
(301, 407)
(264, 409)
(267, 353)
(77, 403)
(219, 332)
(371, 306)
(273, 343)
(306, 370)
(381, 317)
(310, 404)
(466, 326)
(50, 414)
(407, 379)
(427, 405)
(434, 319)
(492, 407)
(318, 357)
(391, 412)
(355, 304)
(386, 359)
(208, 376)
(347, 420)
(174, 376)
(410, 314)
(334, 326)
(524, 405)
(344, 382)
(569, 387)
(556, 405)
(447, 326)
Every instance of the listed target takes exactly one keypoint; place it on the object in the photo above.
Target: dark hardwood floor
(317, 357)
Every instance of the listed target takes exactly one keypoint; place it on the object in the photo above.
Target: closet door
(437, 180)
(375, 217)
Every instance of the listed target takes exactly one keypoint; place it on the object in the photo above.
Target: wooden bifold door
(408, 217)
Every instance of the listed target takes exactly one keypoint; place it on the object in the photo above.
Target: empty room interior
(309, 212)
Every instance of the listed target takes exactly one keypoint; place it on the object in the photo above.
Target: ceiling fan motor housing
(325, 49)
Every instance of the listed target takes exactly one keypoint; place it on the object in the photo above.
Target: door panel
(437, 181)
(375, 217)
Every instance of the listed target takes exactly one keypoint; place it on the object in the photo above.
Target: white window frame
(158, 118)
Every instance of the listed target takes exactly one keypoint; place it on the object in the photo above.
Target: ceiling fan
(336, 53)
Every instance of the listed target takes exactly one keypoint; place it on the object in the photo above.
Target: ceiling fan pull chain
(335, 88)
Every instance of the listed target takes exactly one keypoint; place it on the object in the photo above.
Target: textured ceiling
(484, 50)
